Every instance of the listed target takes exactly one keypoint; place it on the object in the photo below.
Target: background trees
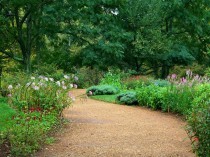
(130, 34)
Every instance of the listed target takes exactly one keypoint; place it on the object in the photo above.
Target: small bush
(199, 121)
(102, 90)
(151, 96)
(133, 84)
(114, 78)
(161, 83)
(128, 98)
(178, 99)
(38, 103)
(48, 70)
(88, 77)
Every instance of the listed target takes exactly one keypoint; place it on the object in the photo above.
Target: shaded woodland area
(143, 36)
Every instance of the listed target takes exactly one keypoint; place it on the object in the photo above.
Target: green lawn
(105, 98)
(6, 114)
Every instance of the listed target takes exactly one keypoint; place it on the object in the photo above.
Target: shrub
(39, 102)
(133, 84)
(41, 93)
(151, 96)
(161, 83)
(102, 90)
(199, 121)
(50, 70)
(88, 77)
(177, 99)
(28, 131)
(128, 98)
(114, 78)
(207, 72)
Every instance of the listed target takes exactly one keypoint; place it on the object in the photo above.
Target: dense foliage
(102, 90)
(128, 98)
(199, 120)
(34, 108)
(144, 36)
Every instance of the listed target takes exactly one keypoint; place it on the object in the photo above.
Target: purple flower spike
(173, 76)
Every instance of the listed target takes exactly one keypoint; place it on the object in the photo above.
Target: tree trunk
(27, 62)
(156, 69)
(165, 71)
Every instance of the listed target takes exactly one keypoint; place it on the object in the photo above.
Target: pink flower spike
(69, 94)
(184, 80)
(90, 92)
(9, 95)
(173, 76)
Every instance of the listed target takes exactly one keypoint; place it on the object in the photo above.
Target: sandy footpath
(99, 129)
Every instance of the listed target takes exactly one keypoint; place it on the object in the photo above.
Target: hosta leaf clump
(102, 90)
(128, 98)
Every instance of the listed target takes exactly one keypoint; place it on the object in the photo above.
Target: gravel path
(100, 129)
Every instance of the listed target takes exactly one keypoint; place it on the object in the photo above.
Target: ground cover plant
(102, 90)
(105, 98)
(34, 108)
(128, 98)
(6, 114)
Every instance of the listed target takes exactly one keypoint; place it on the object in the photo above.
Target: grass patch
(6, 113)
(105, 98)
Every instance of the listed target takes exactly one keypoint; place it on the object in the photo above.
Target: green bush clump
(88, 77)
(133, 84)
(161, 83)
(38, 103)
(199, 121)
(114, 78)
(151, 96)
(102, 90)
(128, 98)
(178, 99)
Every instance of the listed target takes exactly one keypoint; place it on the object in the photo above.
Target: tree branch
(63, 32)
(25, 16)
(11, 55)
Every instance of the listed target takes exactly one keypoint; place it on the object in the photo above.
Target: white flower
(51, 79)
(41, 77)
(71, 85)
(63, 83)
(33, 84)
(76, 78)
(41, 84)
(75, 86)
(58, 83)
(10, 87)
(28, 84)
(46, 79)
(18, 85)
(64, 87)
(35, 87)
(66, 77)
(33, 78)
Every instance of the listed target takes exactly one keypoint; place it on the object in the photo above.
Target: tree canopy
(129, 34)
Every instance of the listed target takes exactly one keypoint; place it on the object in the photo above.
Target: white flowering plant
(42, 94)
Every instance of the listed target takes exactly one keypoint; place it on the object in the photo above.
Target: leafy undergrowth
(6, 114)
(105, 98)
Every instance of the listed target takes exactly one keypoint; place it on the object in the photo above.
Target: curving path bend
(99, 129)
